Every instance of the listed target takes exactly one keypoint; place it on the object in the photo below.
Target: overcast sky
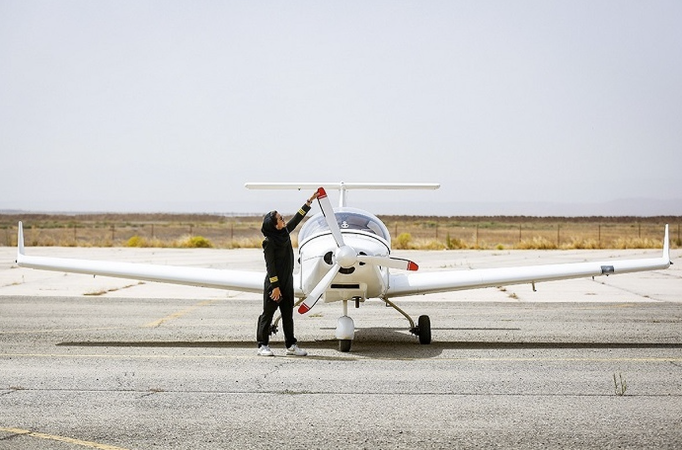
(174, 105)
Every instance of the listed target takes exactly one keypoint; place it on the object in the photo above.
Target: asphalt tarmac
(117, 364)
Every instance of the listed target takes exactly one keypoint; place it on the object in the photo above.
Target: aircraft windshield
(348, 219)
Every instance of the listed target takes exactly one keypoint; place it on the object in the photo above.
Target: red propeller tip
(321, 192)
(303, 308)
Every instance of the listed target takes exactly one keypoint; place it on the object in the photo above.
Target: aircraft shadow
(389, 343)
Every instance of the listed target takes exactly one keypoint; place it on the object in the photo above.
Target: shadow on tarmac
(389, 343)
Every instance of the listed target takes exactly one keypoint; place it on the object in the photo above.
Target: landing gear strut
(423, 328)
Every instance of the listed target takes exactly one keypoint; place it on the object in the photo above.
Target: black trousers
(286, 308)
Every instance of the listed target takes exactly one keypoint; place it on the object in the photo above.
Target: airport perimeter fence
(406, 232)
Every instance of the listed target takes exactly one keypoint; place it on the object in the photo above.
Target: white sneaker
(294, 350)
(264, 350)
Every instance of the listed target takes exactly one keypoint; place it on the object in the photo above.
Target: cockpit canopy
(348, 219)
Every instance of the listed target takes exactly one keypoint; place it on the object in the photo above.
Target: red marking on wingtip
(303, 308)
(412, 266)
(321, 192)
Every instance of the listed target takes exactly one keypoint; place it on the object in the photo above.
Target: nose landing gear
(345, 329)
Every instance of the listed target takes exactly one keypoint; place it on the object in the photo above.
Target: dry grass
(408, 232)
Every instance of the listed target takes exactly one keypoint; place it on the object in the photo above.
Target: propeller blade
(317, 292)
(391, 262)
(328, 212)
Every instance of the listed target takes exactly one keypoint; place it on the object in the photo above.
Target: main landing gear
(423, 328)
(345, 327)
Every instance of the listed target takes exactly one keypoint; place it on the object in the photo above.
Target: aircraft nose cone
(346, 257)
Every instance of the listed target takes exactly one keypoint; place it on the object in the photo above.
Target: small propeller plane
(345, 256)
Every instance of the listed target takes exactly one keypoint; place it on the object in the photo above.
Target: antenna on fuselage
(342, 194)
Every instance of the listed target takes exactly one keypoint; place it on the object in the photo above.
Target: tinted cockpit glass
(348, 219)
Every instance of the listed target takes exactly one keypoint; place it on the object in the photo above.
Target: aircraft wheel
(344, 345)
(424, 325)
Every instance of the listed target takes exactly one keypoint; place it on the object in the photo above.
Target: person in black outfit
(278, 290)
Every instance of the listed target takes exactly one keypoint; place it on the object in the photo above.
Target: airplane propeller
(345, 256)
(328, 212)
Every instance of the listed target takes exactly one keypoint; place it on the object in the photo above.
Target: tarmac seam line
(178, 314)
(53, 437)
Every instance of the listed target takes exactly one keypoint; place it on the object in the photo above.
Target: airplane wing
(429, 282)
(193, 276)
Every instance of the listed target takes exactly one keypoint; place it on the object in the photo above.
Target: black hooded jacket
(278, 252)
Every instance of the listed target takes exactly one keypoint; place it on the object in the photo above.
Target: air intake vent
(345, 286)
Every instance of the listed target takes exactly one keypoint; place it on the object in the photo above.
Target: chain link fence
(407, 232)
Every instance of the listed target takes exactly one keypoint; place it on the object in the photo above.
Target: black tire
(424, 325)
(344, 345)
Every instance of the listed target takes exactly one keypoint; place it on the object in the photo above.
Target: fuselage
(363, 232)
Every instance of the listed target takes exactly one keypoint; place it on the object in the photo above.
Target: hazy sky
(174, 105)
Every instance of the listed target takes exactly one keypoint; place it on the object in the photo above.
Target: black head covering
(270, 231)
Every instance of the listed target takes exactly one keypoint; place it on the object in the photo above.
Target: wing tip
(666, 244)
(20, 240)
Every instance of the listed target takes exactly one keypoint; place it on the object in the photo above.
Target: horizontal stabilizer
(342, 185)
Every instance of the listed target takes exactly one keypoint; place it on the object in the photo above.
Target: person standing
(278, 289)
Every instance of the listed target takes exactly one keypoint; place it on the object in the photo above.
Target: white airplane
(345, 255)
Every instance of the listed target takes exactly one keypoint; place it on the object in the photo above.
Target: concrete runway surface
(117, 364)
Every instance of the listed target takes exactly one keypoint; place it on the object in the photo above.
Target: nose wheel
(344, 345)
(345, 330)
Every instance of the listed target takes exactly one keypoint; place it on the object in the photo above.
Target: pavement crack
(11, 436)
(275, 369)
(151, 392)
